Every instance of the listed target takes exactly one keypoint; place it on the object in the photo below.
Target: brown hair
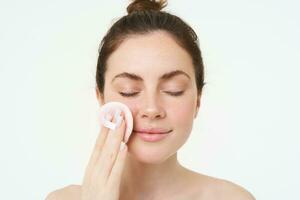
(145, 16)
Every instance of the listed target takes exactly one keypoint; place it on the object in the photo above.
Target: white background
(247, 130)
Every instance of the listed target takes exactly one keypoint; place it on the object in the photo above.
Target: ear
(197, 105)
(99, 96)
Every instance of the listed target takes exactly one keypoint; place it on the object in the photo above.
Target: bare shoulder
(207, 187)
(229, 190)
(70, 192)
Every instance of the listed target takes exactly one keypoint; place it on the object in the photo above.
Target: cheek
(132, 105)
(181, 115)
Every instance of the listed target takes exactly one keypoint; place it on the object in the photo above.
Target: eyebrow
(165, 76)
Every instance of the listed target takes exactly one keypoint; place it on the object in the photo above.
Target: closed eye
(175, 93)
(128, 94)
(179, 93)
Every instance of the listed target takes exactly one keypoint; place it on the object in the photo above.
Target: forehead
(149, 56)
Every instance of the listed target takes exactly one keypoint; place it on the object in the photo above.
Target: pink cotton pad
(114, 109)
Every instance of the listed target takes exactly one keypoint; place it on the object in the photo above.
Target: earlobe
(197, 107)
(196, 113)
(99, 97)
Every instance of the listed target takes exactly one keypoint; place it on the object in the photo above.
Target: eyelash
(176, 94)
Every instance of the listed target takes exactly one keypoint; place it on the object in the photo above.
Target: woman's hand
(103, 174)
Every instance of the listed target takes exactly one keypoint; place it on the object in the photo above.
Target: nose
(151, 108)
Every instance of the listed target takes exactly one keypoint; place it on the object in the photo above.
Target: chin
(148, 153)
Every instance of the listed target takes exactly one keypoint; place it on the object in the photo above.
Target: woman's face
(142, 66)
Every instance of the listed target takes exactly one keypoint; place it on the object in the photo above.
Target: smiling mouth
(151, 131)
(152, 136)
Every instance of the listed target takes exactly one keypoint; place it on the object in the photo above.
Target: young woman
(150, 61)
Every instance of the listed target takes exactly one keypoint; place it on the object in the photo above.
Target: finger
(116, 172)
(98, 166)
(110, 151)
(97, 148)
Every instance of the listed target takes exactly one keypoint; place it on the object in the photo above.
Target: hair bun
(141, 5)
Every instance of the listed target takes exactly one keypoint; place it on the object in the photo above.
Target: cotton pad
(114, 109)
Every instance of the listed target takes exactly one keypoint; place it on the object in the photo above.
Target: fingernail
(122, 146)
(108, 117)
(118, 121)
(117, 114)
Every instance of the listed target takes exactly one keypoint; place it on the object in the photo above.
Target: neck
(142, 180)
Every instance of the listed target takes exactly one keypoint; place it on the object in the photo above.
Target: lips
(152, 134)
(152, 131)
